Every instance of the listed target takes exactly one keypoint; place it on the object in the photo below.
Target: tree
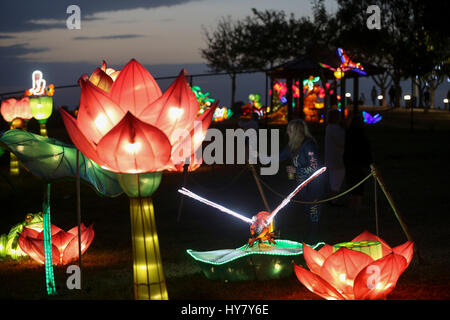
(410, 43)
(226, 50)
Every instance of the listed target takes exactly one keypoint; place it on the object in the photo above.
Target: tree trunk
(233, 90)
(432, 92)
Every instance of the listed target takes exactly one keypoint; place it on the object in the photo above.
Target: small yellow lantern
(41, 108)
(371, 248)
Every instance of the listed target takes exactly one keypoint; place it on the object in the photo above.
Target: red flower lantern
(16, 112)
(133, 128)
(64, 244)
(127, 125)
(346, 274)
(13, 108)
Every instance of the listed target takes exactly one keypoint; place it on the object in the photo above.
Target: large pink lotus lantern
(128, 126)
(64, 244)
(368, 270)
(134, 128)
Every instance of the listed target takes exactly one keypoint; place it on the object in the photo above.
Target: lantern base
(43, 129)
(148, 276)
(260, 262)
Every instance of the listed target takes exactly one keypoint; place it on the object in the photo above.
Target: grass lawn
(415, 166)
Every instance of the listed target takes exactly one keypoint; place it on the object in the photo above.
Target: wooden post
(79, 214)
(376, 205)
(180, 207)
(301, 100)
(394, 207)
(289, 98)
(263, 197)
(355, 95)
(343, 97)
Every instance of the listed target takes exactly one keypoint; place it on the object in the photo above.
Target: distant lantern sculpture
(41, 100)
(136, 131)
(366, 268)
(346, 65)
(16, 113)
(9, 244)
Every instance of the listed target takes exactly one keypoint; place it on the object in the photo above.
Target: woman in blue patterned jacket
(302, 149)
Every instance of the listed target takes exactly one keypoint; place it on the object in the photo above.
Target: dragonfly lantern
(259, 224)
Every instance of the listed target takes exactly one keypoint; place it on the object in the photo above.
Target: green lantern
(41, 108)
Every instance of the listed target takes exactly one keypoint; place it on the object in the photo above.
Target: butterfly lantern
(369, 119)
(259, 224)
(346, 65)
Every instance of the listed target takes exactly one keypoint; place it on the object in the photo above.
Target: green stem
(49, 276)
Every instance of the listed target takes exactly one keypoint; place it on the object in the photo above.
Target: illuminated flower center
(133, 147)
(175, 112)
(101, 122)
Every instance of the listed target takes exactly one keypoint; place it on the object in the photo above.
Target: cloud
(25, 15)
(15, 51)
(117, 36)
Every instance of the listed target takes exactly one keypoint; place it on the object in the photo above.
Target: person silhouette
(373, 95)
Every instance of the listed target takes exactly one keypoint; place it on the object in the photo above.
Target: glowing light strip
(293, 193)
(277, 252)
(215, 205)
(39, 83)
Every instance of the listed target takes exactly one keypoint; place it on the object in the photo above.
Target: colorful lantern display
(42, 108)
(308, 84)
(9, 244)
(64, 244)
(279, 116)
(16, 112)
(364, 268)
(13, 108)
(133, 129)
(41, 100)
(221, 114)
(311, 105)
(203, 99)
(346, 65)
(369, 119)
(255, 106)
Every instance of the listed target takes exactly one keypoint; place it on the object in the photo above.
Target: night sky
(163, 35)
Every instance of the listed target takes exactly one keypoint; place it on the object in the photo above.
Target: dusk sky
(163, 35)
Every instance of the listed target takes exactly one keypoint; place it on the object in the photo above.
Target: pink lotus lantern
(16, 113)
(127, 125)
(134, 128)
(13, 108)
(64, 244)
(366, 268)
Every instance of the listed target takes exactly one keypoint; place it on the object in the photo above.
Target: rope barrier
(318, 201)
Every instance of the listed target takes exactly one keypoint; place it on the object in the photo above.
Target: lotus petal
(379, 278)
(134, 88)
(176, 109)
(101, 79)
(406, 250)
(188, 145)
(98, 113)
(316, 284)
(314, 260)
(341, 268)
(78, 138)
(134, 146)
